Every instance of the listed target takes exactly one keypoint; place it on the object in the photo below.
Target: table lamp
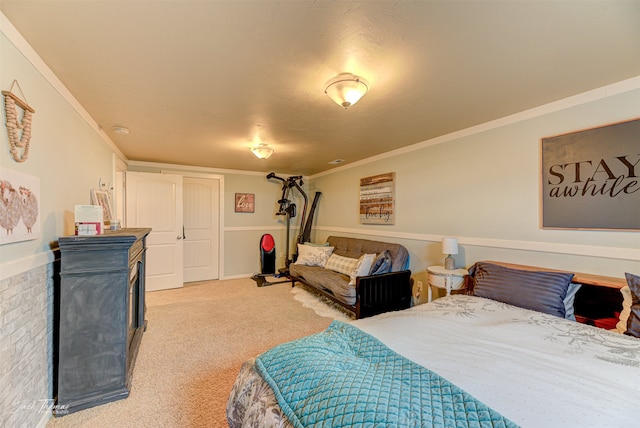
(449, 247)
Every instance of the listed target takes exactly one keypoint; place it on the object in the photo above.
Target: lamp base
(449, 263)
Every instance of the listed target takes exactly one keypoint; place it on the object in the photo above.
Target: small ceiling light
(121, 130)
(346, 89)
(262, 151)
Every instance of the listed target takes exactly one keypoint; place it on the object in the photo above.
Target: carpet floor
(196, 340)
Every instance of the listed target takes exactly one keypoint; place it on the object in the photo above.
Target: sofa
(363, 276)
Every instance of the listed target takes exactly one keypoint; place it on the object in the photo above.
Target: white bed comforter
(536, 369)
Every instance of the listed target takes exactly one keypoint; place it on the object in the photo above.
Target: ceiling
(200, 82)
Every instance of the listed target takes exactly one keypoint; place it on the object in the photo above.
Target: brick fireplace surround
(26, 347)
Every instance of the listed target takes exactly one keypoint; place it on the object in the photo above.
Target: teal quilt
(344, 377)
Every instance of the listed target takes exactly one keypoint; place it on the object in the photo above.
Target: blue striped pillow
(537, 290)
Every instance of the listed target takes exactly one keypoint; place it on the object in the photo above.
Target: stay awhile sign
(591, 178)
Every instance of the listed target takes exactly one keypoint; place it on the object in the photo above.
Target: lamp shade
(262, 151)
(346, 89)
(449, 246)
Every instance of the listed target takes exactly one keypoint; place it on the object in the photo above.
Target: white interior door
(201, 208)
(155, 201)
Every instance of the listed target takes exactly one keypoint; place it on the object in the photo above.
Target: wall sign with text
(245, 202)
(591, 178)
(377, 199)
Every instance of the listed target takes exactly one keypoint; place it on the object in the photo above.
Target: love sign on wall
(245, 202)
(591, 178)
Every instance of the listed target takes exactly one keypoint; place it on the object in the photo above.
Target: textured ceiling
(200, 82)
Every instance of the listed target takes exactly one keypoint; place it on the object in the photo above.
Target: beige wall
(481, 185)
(66, 154)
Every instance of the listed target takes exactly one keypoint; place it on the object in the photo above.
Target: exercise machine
(285, 208)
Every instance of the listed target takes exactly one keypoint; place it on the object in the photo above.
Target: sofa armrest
(382, 293)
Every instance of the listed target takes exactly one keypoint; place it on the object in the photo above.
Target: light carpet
(196, 340)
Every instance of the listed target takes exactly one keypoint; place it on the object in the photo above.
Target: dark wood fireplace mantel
(101, 317)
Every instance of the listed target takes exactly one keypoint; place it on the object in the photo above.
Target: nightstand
(448, 279)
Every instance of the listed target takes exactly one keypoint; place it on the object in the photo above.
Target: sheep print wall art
(19, 206)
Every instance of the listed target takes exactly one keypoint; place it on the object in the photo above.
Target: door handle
(178, 237)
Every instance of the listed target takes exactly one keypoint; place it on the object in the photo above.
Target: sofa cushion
(363, 268)
(328, 280)
(341, 264)
(382, 264)
(355, 247)
(313, 256)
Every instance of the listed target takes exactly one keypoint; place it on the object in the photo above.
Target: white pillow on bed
(313, 256)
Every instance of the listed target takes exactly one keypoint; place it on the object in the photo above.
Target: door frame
(220, 178)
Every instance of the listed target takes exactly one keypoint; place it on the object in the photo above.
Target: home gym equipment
(288, 209)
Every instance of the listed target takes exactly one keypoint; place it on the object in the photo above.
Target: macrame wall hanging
(19, 131)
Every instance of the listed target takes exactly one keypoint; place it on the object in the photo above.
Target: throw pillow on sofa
(313, 256)
(362, 268)
(341, 264)
(313, 244)
(382, 263)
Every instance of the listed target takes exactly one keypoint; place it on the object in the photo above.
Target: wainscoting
(26, 347)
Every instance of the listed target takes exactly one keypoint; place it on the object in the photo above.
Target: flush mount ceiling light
(346, 89)
(121, 130)
(262, 151)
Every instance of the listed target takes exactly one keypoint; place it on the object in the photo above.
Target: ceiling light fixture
(262, 151)
(121, 130)
(346, 89)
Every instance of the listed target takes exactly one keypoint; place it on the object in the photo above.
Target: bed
(461, 360)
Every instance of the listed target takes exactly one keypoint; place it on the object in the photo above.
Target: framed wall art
(102, 198)
(377, 199)
(591, 178)
(245, 202)
(19, 206)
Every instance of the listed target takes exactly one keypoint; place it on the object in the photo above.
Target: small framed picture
(245, 202)
(101, 197)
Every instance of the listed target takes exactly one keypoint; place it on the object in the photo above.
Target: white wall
(481, 185)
